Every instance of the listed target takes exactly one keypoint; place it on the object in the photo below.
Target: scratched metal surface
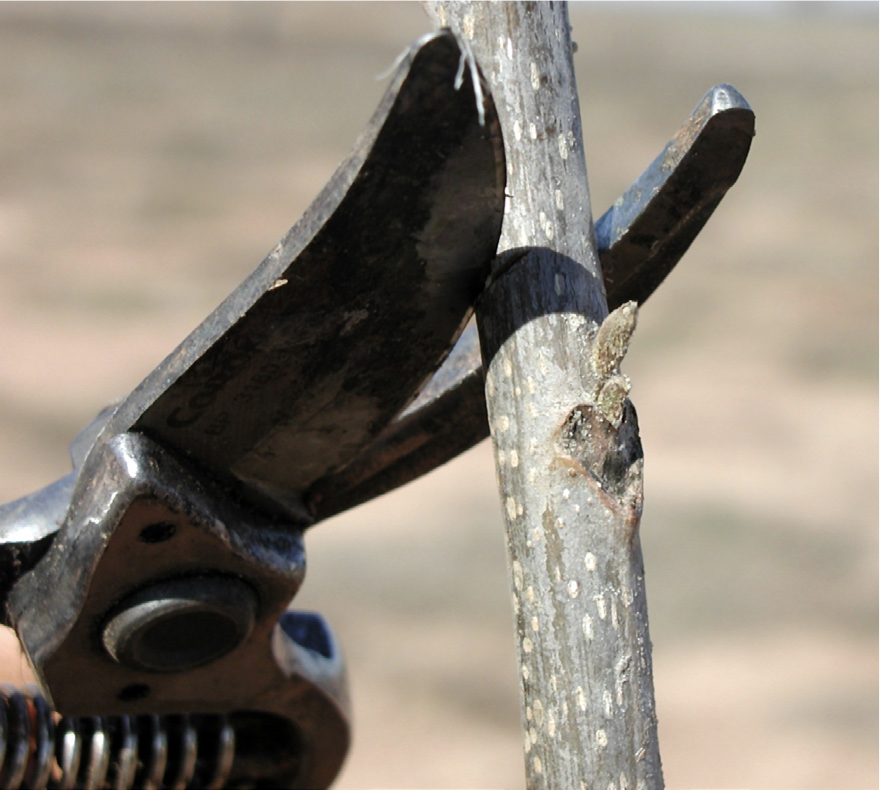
(316, 351)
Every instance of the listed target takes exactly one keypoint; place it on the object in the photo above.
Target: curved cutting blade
(314, 354)
(640, 239)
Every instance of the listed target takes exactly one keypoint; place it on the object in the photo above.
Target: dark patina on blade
(651, 225)
(313, 355)
(640, 239)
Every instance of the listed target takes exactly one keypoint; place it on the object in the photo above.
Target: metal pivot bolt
(181, 624)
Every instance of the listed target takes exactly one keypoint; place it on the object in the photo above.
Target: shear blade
(315, 353)
(650, 227)
(640, 239)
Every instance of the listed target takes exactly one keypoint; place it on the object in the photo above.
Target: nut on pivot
(180, 624)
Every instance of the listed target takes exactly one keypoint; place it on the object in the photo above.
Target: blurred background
(151, 155)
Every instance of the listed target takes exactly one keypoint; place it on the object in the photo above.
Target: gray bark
(567, 450)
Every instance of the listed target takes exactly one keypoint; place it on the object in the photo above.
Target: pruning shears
(156, 578)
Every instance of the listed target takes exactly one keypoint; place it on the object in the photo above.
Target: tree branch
(567, 450)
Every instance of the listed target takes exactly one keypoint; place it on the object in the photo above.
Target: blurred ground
(150, 155)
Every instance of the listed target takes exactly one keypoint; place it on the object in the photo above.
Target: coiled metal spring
(39, 749)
